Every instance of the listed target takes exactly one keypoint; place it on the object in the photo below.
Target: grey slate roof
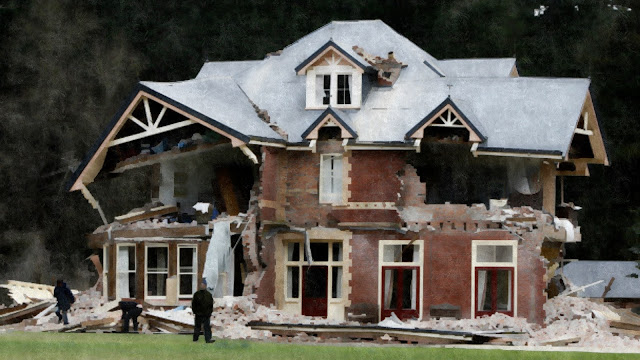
(535, 114)
(219, 99)
(585, 272)
(477, 67)
(224, 68)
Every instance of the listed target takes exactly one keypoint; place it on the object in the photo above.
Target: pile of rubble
(570, 321)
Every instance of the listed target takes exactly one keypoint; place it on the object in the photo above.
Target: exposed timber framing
(591, 129)
(94, 203)
(94, 164)
(245, 149)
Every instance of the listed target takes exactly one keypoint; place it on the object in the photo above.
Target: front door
(314, 290)
(400, 289)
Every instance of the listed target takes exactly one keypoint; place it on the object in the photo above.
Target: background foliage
(67, 65)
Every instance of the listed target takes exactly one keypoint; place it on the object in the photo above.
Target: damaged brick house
(348, 175)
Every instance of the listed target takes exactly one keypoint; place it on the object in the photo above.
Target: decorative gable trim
(461, 120)
(93, 162)
(329, 46)
(328, 116)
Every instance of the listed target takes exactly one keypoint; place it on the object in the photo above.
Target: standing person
(65, 298)
(202, 306)
(131, 309)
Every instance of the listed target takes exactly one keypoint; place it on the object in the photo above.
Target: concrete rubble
(570, 321)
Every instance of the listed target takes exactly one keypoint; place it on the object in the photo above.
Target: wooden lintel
(96, 240)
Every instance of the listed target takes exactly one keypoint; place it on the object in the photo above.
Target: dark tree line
(67, 65)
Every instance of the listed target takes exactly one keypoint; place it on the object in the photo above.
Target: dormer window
(335, 85)
(334, 78)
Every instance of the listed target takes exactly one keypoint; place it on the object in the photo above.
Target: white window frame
(127, 271)
(301, 262)
(146, 270)
(323, 196)
(355, 83)
(105, 270)
(419, 263)
(512, 264)
(194, 281)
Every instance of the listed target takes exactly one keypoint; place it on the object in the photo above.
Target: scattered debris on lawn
(570, 321)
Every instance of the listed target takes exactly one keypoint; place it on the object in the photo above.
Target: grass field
(53, 346)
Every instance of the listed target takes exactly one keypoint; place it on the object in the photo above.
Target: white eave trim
(513, 154)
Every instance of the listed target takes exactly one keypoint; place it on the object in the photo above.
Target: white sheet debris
(202, 207)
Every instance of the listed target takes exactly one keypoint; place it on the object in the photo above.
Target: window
(333, 85)
(344, 89)
(126, 271)
(323, 84)
(157, 270)
(400, 269)
(494, 265)
(187, 270)
(325, 254)
(331, 178)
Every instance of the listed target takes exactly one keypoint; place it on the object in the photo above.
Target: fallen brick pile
(570, 321)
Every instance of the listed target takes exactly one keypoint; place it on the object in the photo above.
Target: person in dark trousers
(65, 298)
(202, 306)
(131, 309)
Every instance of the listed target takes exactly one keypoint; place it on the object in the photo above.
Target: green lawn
(50, 346)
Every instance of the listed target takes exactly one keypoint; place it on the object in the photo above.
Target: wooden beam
(151, 132)
(547, 172)
(135, 120)
(94, 203)
(147, 111)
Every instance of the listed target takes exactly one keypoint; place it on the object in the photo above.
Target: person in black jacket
(131, 309)
(65, 298)
(202, 306)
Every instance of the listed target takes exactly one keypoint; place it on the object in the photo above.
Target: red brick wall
(374, 175)
(446, 271)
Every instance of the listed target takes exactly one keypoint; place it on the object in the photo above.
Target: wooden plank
(228, 191)
(96, 240)
(150, 317)
(175, 153)
(24, 313)
(12, 309)
(161, 325)
(547, 172)
(159, 211)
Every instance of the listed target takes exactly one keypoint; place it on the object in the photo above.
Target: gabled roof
(514, 114)
(344, 122)
(216, 100)
(463, 117)
(584, 272)
(215, 103)
(300, 69)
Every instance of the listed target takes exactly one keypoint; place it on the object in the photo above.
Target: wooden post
(548, 173)
(140, 263)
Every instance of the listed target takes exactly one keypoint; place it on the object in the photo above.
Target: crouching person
(131, 309)
(65, 298)
(202, 306)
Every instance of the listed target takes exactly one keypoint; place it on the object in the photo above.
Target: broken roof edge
(105, 132)
(335, 114)
(139, 89)
(308, 61)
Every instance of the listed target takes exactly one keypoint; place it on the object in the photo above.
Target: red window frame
(493, 287)
(400, 313)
